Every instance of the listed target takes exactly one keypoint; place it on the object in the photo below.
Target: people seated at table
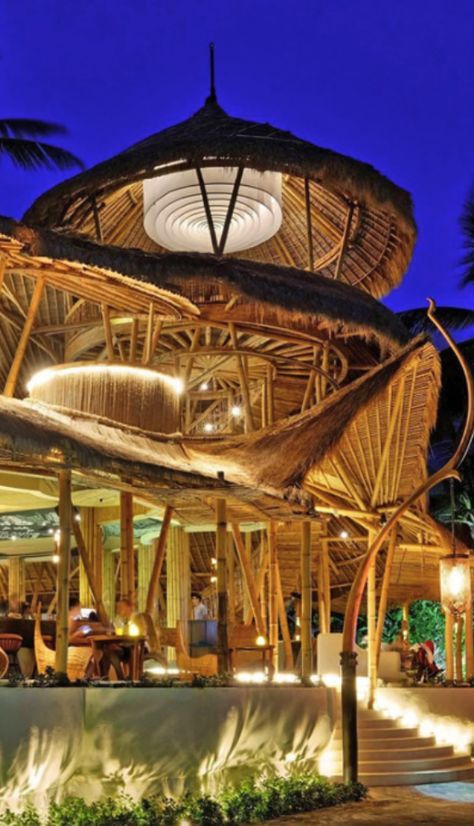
(80, 627)
(200, 611)
(123, 613)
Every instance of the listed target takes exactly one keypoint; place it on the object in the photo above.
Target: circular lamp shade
(175, 214)
(455, 582)
(127, 394)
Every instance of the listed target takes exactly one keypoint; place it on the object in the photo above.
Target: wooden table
(266, 652)
(136, 644)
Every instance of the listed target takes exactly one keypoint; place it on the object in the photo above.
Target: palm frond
(31, 155)
(467, 227)
(29, 128)
(454, 318)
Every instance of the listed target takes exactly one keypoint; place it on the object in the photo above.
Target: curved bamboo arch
(449, 470)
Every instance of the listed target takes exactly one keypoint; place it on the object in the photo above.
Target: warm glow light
(204, 386)
(455, 582)
(261, 640)
(175, 214)
(235, 411)
(213, 579)
(13, 538)
(133, 629)
(344, 534)
(251, 677)
(213, 561)
(55, 558)
(286, 678)
(121, 370)
(209, 427)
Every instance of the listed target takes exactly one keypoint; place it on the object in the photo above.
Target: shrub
(250, 802)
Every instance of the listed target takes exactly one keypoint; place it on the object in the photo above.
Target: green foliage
(251, 802)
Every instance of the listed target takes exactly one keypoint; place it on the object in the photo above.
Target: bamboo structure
(222, 595)
(127, 549)
(273, 589)
(469, 643)
(62, 589)
(306, 601)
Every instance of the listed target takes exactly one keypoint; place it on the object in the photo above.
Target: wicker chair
(78, 657)
(4, 663)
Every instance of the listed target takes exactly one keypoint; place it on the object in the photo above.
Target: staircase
(391, 754)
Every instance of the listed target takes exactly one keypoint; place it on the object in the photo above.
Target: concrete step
(404, 742)
(402, 754)
(410, 764)
(459, 774)
(371, 722)
(382, 733)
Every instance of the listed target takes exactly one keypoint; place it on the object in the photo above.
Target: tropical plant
(21, 140)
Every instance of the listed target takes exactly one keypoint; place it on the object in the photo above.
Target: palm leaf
(454, 318)
(467, 227)
(37, 155)
(29, 128)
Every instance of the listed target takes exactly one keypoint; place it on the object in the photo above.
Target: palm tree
(467, 226)
(21, 141)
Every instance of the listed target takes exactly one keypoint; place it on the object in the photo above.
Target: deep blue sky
(386, 81)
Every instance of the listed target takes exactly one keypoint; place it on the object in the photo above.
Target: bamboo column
(469, 644)
(371, 631)
(16, 579)
(323, 581)
(159, 546)
(86, 558)
(273, 591)
(127, 552)
(178, 583)
(285, 631)
(458, 626)
(306, 600)
(222, 597)
(62, 586)
(231, 578)
(247, 574)
(108, 582)
(12, 378)
(90, 568)
(145, 560)
(448, 643)
(392, 543)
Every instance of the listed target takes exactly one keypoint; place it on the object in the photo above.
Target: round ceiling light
(175, 213)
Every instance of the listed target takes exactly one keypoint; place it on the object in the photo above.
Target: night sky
(390, 83)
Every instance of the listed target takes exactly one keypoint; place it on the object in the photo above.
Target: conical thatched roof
(382, 229)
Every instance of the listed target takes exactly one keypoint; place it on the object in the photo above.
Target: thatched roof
(265, 293)
(382, 229)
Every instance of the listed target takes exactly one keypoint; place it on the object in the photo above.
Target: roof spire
(212, 93)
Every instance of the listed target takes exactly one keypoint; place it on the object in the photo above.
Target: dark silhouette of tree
(21, 140)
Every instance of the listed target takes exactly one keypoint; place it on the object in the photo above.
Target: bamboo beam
(62, 587)
(259, 583)
(392, 544)
(322, 595)
(127, 554)
(12, 378)
(306, 649)
(133, 341)
(394, 417)
(146, 355)
(448, 644)
(231, 578)
(344, 240)
(245, 563)
(109, 339)
(230, 210)
(222, 597)
(469, 643)
(458, 625)
(309, 228)
(273, 591)
(371, 651)
(160, 550)
(285, 631)
(243, 380)
(89, 571)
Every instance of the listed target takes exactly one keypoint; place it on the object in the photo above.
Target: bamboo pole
(12, 378)
(244, 559)
(306, 649)
(458, 625)
(448, 644)
(259, 583)
(344, 241)
(152, 596)
(285, 631)
(231, 578)
(109, 339)
(127, 553)
(392, 543)
(309, 229)
(89, 571)
(371, 619)
(222, 601)
(469, 643)
(62, 587)
(322, 613)
(243, 380)
(273, 591)
(326, 583)
(146, 355)
(133, 341)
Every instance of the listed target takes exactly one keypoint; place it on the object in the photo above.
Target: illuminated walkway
(444, 803)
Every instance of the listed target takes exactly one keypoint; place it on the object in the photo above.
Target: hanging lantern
(455, 582)
(175, 212)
